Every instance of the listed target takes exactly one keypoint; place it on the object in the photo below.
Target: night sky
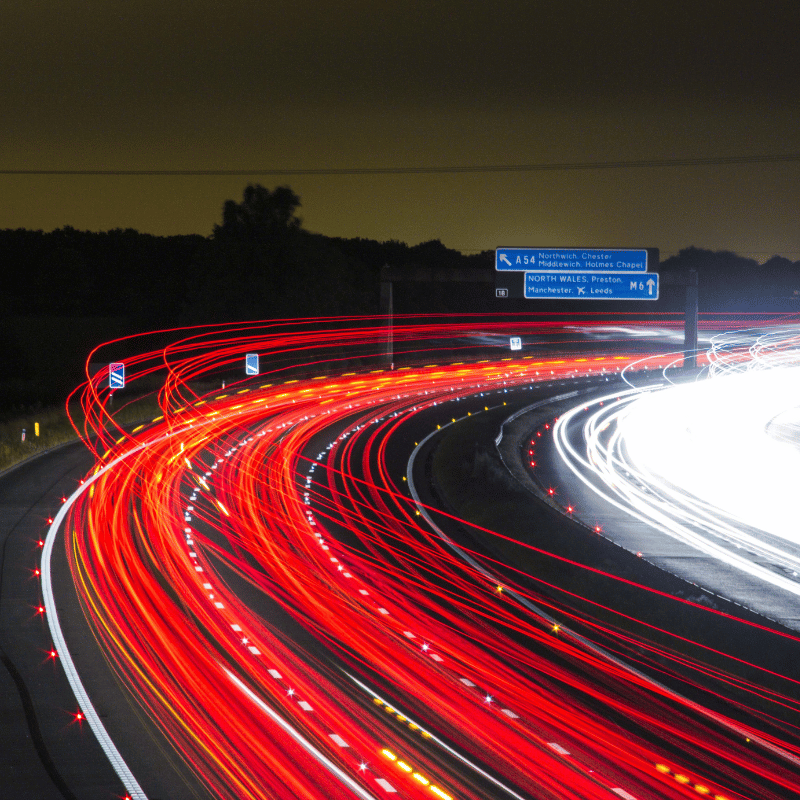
(243, 85)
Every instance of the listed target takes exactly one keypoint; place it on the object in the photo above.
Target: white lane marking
(558, 748)
(65, 657)
(301, 740)
(409, 634)
(305, 706)
(507, 789)
(385, 785)
(275, 674)
(466, 682)
(383, 611)
(363, 591)
(237, 628)
(509, 713)
(436, 657)
(338, 739)
(254, 650)
(623, 794)
(218, 604)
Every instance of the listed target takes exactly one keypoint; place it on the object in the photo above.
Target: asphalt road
(46, 753)
(714, 579)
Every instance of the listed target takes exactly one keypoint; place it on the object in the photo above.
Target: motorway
(702, 471)
(278, 617)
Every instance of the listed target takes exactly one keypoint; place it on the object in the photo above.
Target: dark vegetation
(65, 291)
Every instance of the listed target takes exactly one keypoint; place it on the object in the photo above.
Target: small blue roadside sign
(591, 286)
(524, 259)
(516, 343)
(116, 376)
(251, 364)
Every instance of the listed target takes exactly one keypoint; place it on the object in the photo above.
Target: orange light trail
(255, 561)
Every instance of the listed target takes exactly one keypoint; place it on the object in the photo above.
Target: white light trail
(715, 463)
(85, 705)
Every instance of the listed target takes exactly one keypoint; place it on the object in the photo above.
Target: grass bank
(55, 428)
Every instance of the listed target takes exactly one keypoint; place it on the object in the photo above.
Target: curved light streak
(244, 513)
(697, 461)
(298, 737)
(81, 695)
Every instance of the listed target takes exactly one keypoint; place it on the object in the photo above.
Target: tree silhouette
(261, 214)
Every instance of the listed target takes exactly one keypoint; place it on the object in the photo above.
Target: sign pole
(387, 310)
(690, 323)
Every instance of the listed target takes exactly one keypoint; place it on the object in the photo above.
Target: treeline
(259, 263)
(65, 291)
(78, 273)
(728, 282)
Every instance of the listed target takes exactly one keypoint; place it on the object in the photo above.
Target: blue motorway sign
(591, 286)
(116, 376)
(524, 259)
(251, 364)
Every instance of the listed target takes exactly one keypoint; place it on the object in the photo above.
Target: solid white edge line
(300, 739)
(84, 703)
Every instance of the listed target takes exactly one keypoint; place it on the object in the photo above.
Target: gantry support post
(690, 323)
(387, 311)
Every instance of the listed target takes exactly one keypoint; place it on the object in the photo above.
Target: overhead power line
(546, 167)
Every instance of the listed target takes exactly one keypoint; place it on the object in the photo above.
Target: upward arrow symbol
(504, 257)
(650, 284)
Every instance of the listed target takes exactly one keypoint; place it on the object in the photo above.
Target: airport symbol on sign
(251, 364)
(591, 286)
(116, 376)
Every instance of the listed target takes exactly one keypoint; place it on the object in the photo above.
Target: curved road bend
(46, 753)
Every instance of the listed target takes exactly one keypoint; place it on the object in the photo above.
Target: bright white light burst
(714, 439)
(715, 463)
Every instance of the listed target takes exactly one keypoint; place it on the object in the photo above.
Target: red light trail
(263, 584)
